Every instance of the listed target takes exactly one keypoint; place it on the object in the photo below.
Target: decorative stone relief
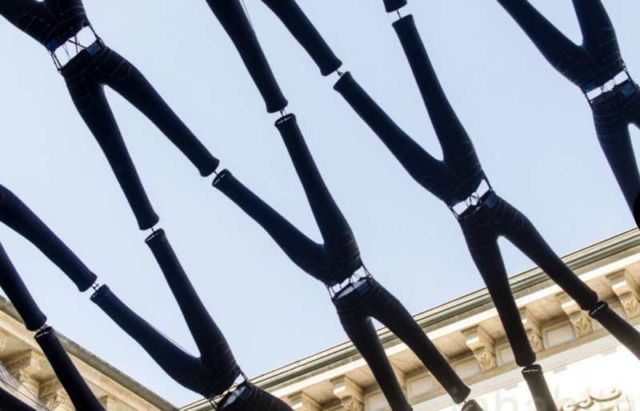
(626, 288)
(580, 320)
(350, 394)
(532, 327)
(483, 347)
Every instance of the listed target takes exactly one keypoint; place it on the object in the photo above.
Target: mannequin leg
(129, 82)
(363, 334)
(235, 22)
(565, 56)
(298, 247)
(487, 257)
(93, 107)
(339, 240)
(215, 352)
(389, 311)
(15, 214)
(73, 383)
(524, 236)
(185, 369)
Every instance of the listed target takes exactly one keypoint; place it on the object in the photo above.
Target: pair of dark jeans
(459, 173)
(482, 226)
(216, 369)
(34, 319)
(334, 261)
(331, 262)
(254, 399)
(50, 22)
(86, 75)
(370, 300)
(588, 66)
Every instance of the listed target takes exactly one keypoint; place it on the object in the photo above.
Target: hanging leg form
(185, 369)
(565, 56)
(299, 25)
(215, 352)
(15, 214)
(130, 83)
(362, 333)
(482, 243)
(384, 307)
(9, 402)
(339, 242)
(13, 286)
(234, 20)
(304, 252)
(542, 398)
(78, 390)
(524, 235)
(92, 104)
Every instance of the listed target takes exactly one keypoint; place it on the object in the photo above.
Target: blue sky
(532, 129)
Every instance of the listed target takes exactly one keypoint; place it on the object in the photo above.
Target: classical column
(532, 327)
(301, 401)
(627, 291)
(580, 320)
(483, 347)
(350, 394)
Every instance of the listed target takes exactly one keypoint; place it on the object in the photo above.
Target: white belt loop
(350, 283)
(73, 46)
(610, 85)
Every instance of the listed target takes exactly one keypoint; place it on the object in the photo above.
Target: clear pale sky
(531, 127)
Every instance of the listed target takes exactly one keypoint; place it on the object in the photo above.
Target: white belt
(609, 86)
(473, 200)
(349, 284)
(82, 40)
(236, 390)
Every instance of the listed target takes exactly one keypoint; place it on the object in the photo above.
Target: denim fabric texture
(450, 180)
(332, 262)
(216, 369)
(16, 215)
(372, 301)
(235, 22)
(53, 22)
(68, 375)
(86, 75)
(590, 65)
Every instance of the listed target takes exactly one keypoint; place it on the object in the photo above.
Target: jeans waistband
(349, 284)
(474, 201)
(616, 85)
(238, 389)
(73, 52)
